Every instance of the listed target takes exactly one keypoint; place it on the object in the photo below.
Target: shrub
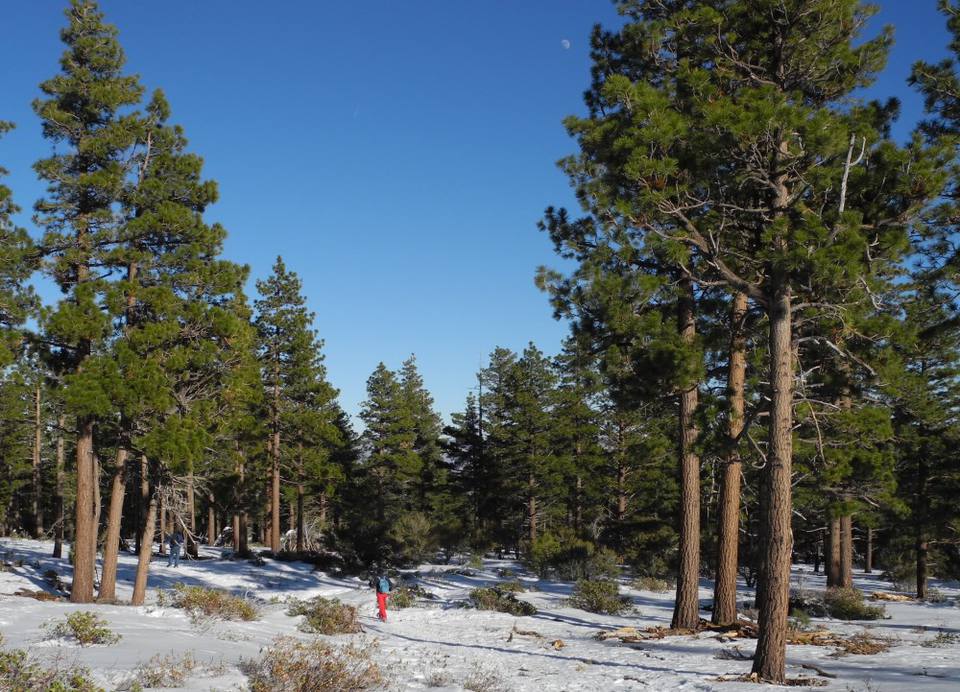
(512, 585)
(293, 666)
(165, 671)
(479, 679)
(202, 602)
(402, 597)
(799, 620)
(570, 558)
(599, 596)
(501, 601)
(18, 672)
(847, 604)
(325, 615)
(86, 628)
(475, 561)
(651, 584)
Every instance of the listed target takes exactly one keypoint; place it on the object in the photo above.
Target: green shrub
(501, 601)
(325, 615)
(651, 584)
(475, 561)
(18, 672)
(512, 585)
(799, 620)
(86, 628)
(294, 666)
(202, 602)
(401, 597)
(599, 596)
(847, 604)
(569, 557)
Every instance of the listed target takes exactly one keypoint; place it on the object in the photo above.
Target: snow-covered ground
(440, 640)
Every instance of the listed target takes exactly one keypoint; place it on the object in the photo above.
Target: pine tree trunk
(192, 516)
(686, 612)
(323, 510)
(211, 521)
(868, 560)
(143, 499)
(300, 546)
(59, 503)
(97, 506)
(833, 553)
(162, 511)
(846, 551)
(236, 533)
(146, 552)
(111, 547)
(532, 509)
(275, 450)
(920, 515)
(728, 515)
(37, 446)
(776, 540)
(85, 538)
(243, 547)
(578, 506)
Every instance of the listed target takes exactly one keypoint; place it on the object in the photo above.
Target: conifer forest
(746, 444)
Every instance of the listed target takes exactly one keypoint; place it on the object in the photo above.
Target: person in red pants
(384, 586)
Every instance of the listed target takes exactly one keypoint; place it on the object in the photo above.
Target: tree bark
(728, 515)
(868, 559)
(776, 541)
(275, 450)
(920, 537)
(85, 539)
(686, 612)
(300, 546)
(146, 552)
(833, 553)
(211, 521)
(532, 509)
(846, 551)
(37, 446)
(58, 500)
(111, 547)
(162, 513)
(192, 516)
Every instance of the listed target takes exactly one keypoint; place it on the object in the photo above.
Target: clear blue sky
(396, 154)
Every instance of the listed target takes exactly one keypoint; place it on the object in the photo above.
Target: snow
(442, 639)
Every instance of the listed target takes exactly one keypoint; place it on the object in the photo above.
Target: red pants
(382, 605)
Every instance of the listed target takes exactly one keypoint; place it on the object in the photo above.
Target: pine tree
(85, 109)
(735, 158)
(299, 396)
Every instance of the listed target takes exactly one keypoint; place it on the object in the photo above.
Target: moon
(566, 44)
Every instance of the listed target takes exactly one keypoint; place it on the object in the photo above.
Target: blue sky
(397, 154)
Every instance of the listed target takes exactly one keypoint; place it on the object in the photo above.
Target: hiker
(383, 586)
(175, 541)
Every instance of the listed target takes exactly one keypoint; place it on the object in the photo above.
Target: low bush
(848, 604)
(654, 584)
(402, 597)
(501, 601)
(290, 665)
(599, 596)
(165, 671)
(18, 672)
(325, 615)
(569, 558)
(512, 585)
(202, 602)
(480, 679)
(86, 629)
